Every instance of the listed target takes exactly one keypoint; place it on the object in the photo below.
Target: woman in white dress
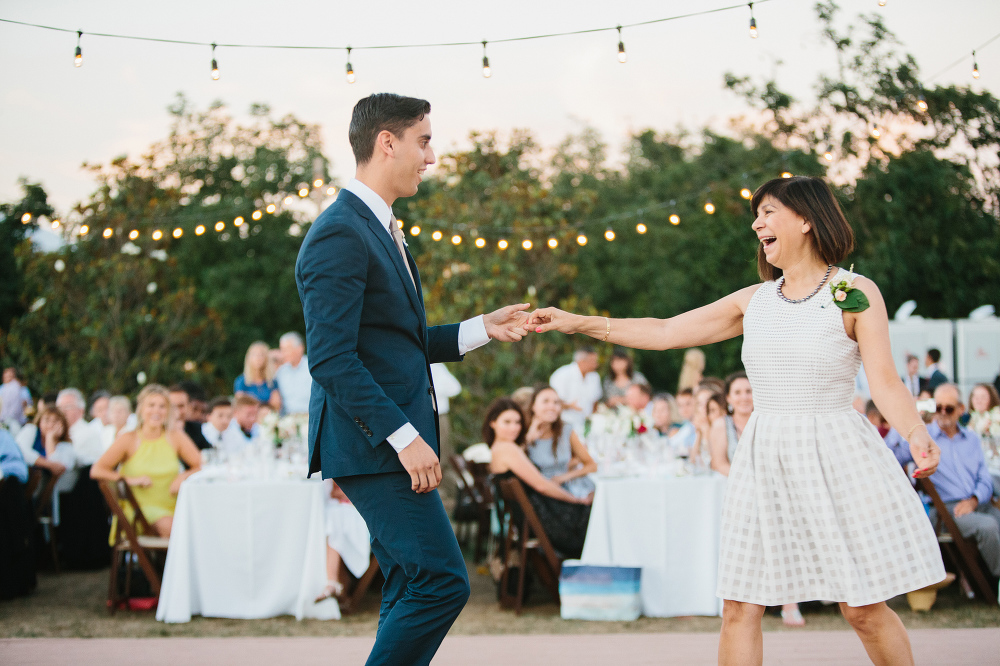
(816, 506)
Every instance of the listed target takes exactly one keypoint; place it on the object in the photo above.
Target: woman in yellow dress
(148, 460)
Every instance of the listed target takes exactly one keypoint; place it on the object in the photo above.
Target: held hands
(508, 324)
(925, 453)
(422, 465)
(543, 320)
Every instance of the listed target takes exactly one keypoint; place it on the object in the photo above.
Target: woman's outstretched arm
(717, 321)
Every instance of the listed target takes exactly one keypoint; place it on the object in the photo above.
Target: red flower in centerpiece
(641, 429)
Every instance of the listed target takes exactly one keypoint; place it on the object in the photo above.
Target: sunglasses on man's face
(946, 409)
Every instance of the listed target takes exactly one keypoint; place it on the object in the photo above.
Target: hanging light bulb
(581, 240)
(753, 22)
(881, 3)
(238, 221)
(609, 235)
(178, 232)
(132, 235)
(437, 235)
(414, 230)
(641, 228)
(78, 55)
(456, 240)
(303, 192)
(975, 66)
(709, 207)
(480, 243)
(786, 174)
(108, 232)
(287, 200)
(399, 223)
(486, 63)
(199, 230)
(55, 224)
(876, 132)
(257, 215)
(84, 230)
(675, 219)
(157, 235)
(271, 208)
(922, 104)
(502, 244)
(331, 191)
(318, 182)
(215, 65)
(828, 156)
(526, 244)
(26, 218)
(350, 70)
(553, 243)
(746, 193)
(622, 57)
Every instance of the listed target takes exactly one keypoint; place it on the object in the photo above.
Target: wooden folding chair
(46, 480)
(525, 536)
(351, 603)
(962, 552)
(131, 537)
(469, 505)
(484, 492)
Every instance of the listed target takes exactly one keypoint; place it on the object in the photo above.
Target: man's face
(220, 417)
(196, 411)
(8, 375)
(912, 367)
(246, 416)
(411, 155)
(928, 361)
(636, 398)
(685, 405)
(949, 408)
(588, 363)
(291, 351)
(99, 410)
(179, 404)
(68, 406)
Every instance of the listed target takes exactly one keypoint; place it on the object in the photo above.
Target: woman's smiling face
(782, 232)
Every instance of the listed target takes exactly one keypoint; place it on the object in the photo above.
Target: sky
(54, 116)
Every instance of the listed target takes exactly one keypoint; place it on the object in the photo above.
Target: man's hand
(965, 507)
(422, 465)
(508, 324)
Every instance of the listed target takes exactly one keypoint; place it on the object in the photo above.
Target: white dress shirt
(294, 385)
(235, 440)
(446, 386)
(212, 436)
(471, 332)
(87, 442)
(572, 386)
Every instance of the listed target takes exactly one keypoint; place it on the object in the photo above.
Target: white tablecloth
(668, 526)
(246, 549)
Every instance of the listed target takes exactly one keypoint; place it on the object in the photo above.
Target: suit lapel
(397, 260)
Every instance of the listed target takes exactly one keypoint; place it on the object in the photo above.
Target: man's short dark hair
(935, 354)
(220, 401)
(193, 389)
(177, 388)
(382, 112)
(685, 391)
(644, 387)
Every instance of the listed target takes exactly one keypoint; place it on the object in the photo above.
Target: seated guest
(663, 411)
(621, 375)
(555, 448)
(348, 543)
(197, 401)
(293, 378)
(12, 463)
(682, 440)
(255, 380)
(46, 445)
(87, 442)
(563, 516)
(148, 459)
(726, 432)
(99, 408)
(962, 478)
(180, 403)
(639, 397)
(220, 414)
(13, 400)
(17, 553)
(243, 429)
(578, 386)
(892, 439)
(120, 417)
(984, 407)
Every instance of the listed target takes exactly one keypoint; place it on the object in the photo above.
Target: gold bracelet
(608, 332)
(907, 438)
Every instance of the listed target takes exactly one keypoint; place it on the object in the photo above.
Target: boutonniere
(846, 296)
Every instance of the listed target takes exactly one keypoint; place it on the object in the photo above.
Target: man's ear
(385, 142)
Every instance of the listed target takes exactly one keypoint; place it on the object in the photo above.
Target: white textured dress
(816, 506)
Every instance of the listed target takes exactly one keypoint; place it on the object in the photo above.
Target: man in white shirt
(293, 378)
(912, 379)
(87, 443)
(12, 402)
(446, 386)
(243, 429)
(220, 415)
(579, 387)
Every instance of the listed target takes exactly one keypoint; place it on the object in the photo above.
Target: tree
(16, 220)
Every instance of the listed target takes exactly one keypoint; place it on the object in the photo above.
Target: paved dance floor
(954, 647)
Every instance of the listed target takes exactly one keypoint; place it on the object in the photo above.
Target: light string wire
(958, 62)
(387, 46)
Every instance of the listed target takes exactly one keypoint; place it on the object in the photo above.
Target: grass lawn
(73, 605)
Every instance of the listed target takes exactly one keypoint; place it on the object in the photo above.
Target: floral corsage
(847, 297)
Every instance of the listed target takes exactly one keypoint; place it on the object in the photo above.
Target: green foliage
(13, 232)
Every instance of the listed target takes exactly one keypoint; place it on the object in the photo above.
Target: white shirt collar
(375, 203)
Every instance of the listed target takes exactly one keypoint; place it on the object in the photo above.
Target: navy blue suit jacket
(370, 348)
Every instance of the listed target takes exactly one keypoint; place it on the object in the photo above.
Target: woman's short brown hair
(57, 413)
(812, 199)
(493, 412)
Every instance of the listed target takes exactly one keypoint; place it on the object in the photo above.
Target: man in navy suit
(372, 413)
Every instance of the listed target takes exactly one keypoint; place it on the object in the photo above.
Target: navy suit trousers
(426, 581)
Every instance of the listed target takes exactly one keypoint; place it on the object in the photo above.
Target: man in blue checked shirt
(962, 478)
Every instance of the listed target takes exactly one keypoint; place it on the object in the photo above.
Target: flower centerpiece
(281, 429)
(619, 435)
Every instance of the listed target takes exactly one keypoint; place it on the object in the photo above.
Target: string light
(581, 240)
(78, 54)
(553, 243)
(157, 235)
(641, 228)
(675, 219)
(178, 232)
(238, 221)
(55, 224)
(414, 230)
(318, 182)
(132, 235)
(975, 65)
(350, 70)
(922, 104)
(108, 232)
(609, 235)
(622, 57)
(753, 22)
(881, 3)
(487, 72)
(828, 156)
(199, 230)
(257, 215)
(709, 207)
(437, 235)
(786, 174)
(215, 65)
(331, 190)
(746, 193)
(303, 192)
(271, 208)
(456, 240)
(502, 244)
(26, 218)
(480, 242)
(84, 230)
(876, 132)
(220, 225)
(526, 244)
(287, 200)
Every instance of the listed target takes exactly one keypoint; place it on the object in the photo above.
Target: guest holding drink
(257, 379)
(555, 448)
(148, 459)
(621, 375)
(563, 516)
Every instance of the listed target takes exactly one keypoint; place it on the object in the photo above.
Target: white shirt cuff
(472, 335)
(403, 437)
